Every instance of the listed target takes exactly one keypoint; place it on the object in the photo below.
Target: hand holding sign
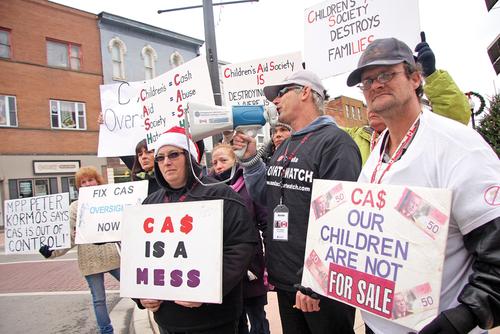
(425, 56)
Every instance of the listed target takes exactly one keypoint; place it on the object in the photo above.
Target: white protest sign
(337, 32)
(173, 251)
(100, 210)
(244, 83)
(379, 248)
(123, 122)
(163, 108)
(32, 222)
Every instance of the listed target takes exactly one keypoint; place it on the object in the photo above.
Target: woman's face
(146, 159)
(88, 181)
(222, 160)
(280, 133)
(172, 164)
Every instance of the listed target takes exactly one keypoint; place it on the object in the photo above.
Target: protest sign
(100, 210)
(243, 83)
(336, 32)
(36, 221)
(173, 251)
(133, 111)
(379, 248)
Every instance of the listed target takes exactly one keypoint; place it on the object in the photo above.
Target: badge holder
(280, 222)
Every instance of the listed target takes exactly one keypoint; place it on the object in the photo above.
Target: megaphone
(208, 120)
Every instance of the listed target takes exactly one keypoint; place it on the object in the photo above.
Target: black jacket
(239, 241)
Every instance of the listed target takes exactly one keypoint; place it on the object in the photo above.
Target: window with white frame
(64, 54)
(353, 112)
(346, 111)
(5, 45)
(149, 56)
(118, 50)
(8, 110)
(67, 115)
(359, 113)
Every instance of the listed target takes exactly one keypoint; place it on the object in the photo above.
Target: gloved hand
(457, 320)
(425, 56)
(440, 325)
(45, 251)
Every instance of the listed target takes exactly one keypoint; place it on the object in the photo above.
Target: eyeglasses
(171, 156)
(286, 89)
(382, 78)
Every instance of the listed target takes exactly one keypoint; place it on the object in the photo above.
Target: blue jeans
(96, 286)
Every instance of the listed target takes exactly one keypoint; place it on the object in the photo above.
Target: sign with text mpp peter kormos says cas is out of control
(100, 210)
(173, 251)
(378, 248)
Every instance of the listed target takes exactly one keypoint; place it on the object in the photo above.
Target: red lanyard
(397, 154)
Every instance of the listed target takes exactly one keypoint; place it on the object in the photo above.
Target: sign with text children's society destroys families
(379, 248)
(144, 110)
(337, 32)
(173, 251)
(243, 83)
(32, 222)
(100, 210)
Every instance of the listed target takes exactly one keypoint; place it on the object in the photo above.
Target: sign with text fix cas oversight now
(379, 248)
(243, 83)
(32, 222)
(144, 110)
(173, 251)
(337, 32)
(100, 210)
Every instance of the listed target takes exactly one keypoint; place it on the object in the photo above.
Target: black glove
(306, 291)
(425, 56)
(45, 251)
(458, 320)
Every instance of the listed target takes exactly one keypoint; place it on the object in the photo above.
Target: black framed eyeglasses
(381, 78)
(171, 156)
(286, 89)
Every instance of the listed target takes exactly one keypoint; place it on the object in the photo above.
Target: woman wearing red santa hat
(176, 163)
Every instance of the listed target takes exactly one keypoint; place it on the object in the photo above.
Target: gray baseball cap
(301, 78)
(384, 51)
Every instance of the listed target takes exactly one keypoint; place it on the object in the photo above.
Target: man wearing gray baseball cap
(317, 148)
(423, 149)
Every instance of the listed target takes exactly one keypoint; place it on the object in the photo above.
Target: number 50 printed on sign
(379, 248)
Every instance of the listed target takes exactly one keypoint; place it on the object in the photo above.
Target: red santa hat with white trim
(176, 136)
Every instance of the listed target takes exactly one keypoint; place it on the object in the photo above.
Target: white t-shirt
(445, 154)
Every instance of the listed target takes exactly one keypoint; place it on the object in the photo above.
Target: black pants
(333, 316)
(230, 328)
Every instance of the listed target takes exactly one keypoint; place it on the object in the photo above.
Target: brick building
(50, 60)
(347, 111)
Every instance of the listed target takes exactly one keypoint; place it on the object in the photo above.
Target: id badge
(280, 223)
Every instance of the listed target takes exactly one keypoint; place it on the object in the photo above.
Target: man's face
(280, 133)
(393, 95)
(288, 103)
(375, 122)
(400, 303)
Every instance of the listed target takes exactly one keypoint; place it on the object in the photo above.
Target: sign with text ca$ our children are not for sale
(243, 83)
(100, 210)
(173, 251)
(32, 222)
(379, 248)
(336, 32)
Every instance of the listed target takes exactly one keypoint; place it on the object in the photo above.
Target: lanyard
(286, 162)
(397, 154)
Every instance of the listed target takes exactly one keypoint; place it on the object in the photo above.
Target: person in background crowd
(421, 148)
(94, 260)
(317, 148)
(254, 289)
(143, 166)
(177, 177)
(444, 95)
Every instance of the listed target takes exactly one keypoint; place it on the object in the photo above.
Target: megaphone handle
(241, 152)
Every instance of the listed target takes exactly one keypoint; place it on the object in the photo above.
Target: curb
(127, 318)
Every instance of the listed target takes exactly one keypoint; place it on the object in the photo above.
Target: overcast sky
(458, 31)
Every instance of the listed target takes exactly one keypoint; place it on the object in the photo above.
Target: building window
(149, 56)
(353, 112)
(23, 188)
(64, 54)
(67, 115)
(359, 113)
(117, 49)
(5, 45)
(8, 110)
(346, 111)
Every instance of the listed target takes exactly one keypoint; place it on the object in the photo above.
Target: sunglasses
(286, 89)
(171, 156)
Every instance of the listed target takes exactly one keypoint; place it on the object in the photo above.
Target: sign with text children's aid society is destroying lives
(173, 251)
(32, 222)
(336, 32)
(144, 110)
(243, 83)
(379, 248)
(100, 210)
